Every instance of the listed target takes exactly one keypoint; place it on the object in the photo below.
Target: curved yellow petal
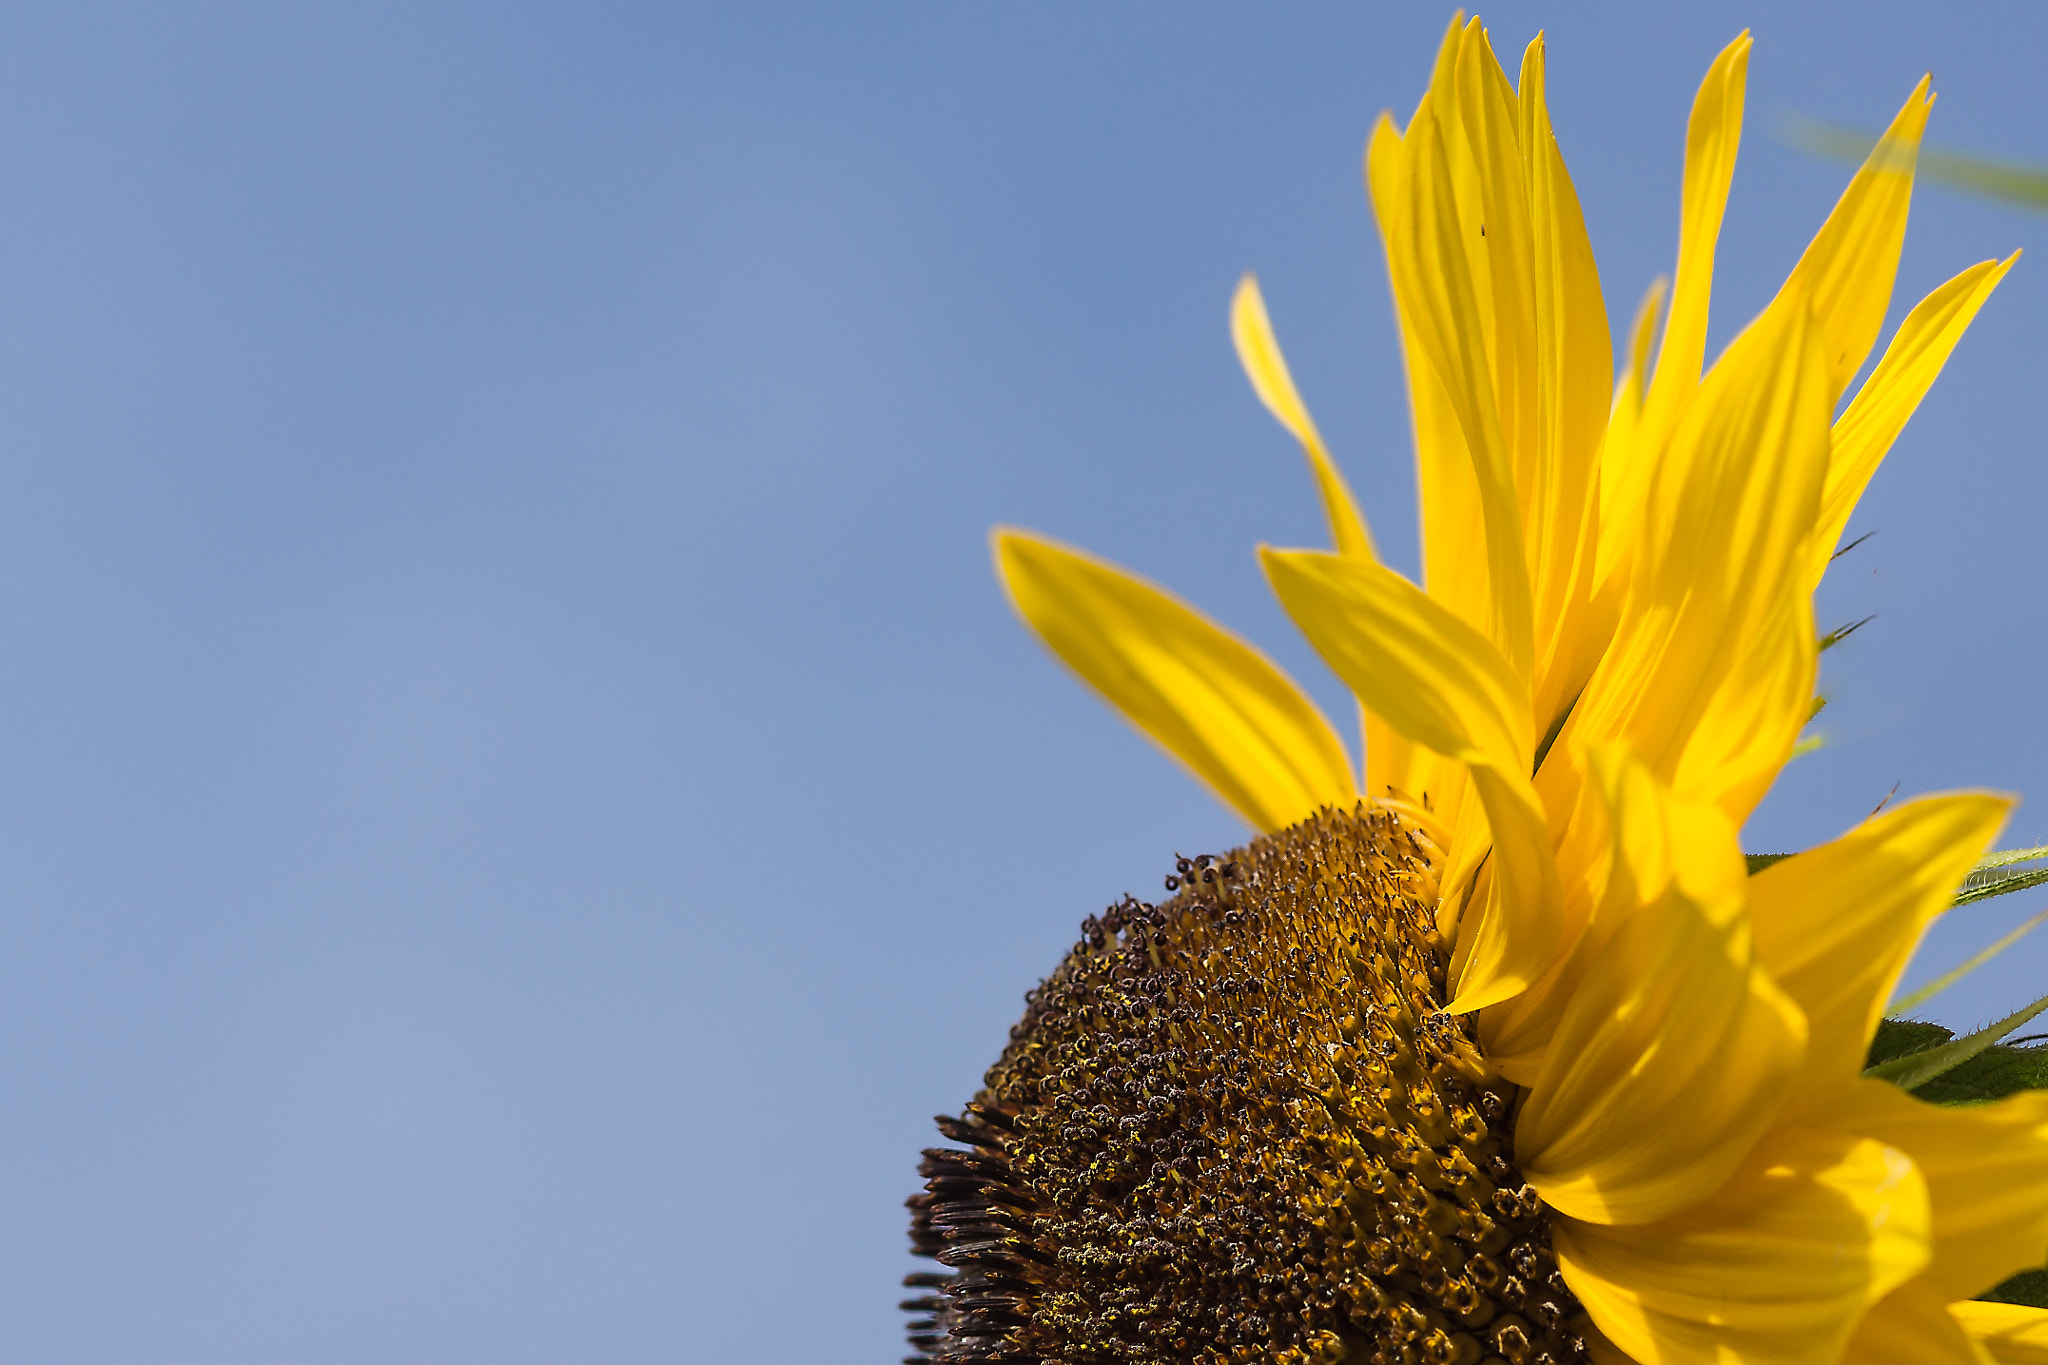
(1847, 270)
(1520, 929)
(1439, 294)
(1675, 1050)
(1482, 143)
(1987, 1174)
(1729, 509)
(1441, 683)
(1515, 1034)
(1754, 717)
(1864, 433)
(1443, 72)
(1447, 487)
(1835, 925)
(1712, 136)
(1912, 1326)
(1389, 766)
(1453, 566)
(1619, 454)
(1205, 696)
(1258, 350)
(1574, 373)
(1624, 840)
(1658, 843)
(1776, 1269)
(1672, 1057)
(1447, 114)
(1433, 677)
(2010, 1333)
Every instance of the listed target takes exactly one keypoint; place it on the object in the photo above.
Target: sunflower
(1504, 1054)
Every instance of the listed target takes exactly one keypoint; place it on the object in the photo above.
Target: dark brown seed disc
(1236, 1126)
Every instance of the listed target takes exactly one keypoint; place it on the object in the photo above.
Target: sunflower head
(1237, 1125)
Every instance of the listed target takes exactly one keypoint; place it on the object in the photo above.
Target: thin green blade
(1917, 1068)
(2005, 181)
(1985, 882)
(2009, 182)
(2007, 857)
(1835, 637)
(1949, 978)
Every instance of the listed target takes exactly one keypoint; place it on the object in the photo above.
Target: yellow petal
(1987, 1174)
(2010, 1333)
(1728, 511)
(1439, 294)
(1574, 370)
(1443, 685)
(1619, 471)
(1711, 138)
(1446, 112)
(1520, 929)
(1482, 145)
(1453, 555)
(1848, 269)
(1515, 1034)
(1658, 844)
(1205, 696)
(1444, 72)
(1912, 1326)
(1835, 925)
(1864, 433)
(1747, 731)
(1777, 1267)
(1656, 1084)
(1453, 550)
(1675, 1050)
(1259, 352)
(1433, 677)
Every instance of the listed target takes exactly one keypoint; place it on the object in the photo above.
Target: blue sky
(519, 791)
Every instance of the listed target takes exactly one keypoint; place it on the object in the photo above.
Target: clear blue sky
(518, 791)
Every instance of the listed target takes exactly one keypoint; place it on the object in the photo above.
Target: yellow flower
(1503, 1053)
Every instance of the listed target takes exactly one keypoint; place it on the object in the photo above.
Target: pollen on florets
(1236, 1126)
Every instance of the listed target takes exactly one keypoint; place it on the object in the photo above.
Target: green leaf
(1898, 1037)
(1993, 1073)
(1949, 978)
(1912, 1070)
(1759, 861)
(2029, 1287)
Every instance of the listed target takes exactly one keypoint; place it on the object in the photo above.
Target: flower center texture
(1237, 1126)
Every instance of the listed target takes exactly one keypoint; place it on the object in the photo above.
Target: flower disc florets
(1236, 1126)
